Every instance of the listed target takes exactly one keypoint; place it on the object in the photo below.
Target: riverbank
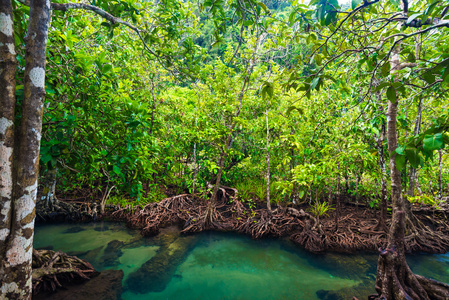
(356, 229)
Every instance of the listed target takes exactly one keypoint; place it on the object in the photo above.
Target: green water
(226, 266)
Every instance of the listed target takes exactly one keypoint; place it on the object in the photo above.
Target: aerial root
(161, 214)
(355, 232)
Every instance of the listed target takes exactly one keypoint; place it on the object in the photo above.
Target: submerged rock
(101, 228)
(344, 265)
(74, 229)
(112, 253)
(106, 286)
(156, 273)
(89, 255)
(361, 290)
(328, 295)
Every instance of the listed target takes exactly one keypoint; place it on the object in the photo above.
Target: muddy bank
(357, 229)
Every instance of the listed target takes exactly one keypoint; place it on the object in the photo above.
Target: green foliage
(425, 200)
(117, 115)
(319, 209)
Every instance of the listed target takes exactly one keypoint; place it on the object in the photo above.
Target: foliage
(145, 122)
(319, 209)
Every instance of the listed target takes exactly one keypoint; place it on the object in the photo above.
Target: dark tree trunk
(209, 216)
(337, 208)
(383, 181)
(268, 161)
(412, 174)
(440, 183)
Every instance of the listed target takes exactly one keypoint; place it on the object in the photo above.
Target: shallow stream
(222, 266)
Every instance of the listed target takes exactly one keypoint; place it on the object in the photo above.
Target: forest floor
(357, 228)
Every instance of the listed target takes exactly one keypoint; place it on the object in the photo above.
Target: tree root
(161, 214)
(394, 278)
(51, 269)
(358, 230)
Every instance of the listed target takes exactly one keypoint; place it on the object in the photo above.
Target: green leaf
(446, 75)
(412, 17)
(386, 69)
(429, 77)
(314, 82)
(355, 3)
(264, 7)
(291, 108)
(249, 22)
(117, 170)
(391, 94)
(46, 158)
(381, 86)
(400, 162)
(433, 142)
(430, 9)
(413, 157)
(400, 150)
(291, 18)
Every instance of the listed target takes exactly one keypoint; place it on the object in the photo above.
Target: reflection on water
(222, 266)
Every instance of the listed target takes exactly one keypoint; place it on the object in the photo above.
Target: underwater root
(52, 269)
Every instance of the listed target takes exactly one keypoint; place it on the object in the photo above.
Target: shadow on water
(214, 265)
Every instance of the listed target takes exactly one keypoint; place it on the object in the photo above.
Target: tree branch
(97, 10)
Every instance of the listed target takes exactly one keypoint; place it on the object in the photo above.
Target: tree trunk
(412, 175)
(383, 180)
(268, 161)
(357, 191)
(153, 108)
(16, 282)
(209, 216)
(337, 208)
(8, 64)
(440, 183)
(394, 278)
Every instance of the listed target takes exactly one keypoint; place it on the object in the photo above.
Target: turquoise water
(222, 266)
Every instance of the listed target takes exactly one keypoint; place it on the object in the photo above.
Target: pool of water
(222, 266)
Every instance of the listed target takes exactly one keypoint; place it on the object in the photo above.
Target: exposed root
(358, 228)
(57, 211)
(52, 269)
(394, 278)
(168, 212)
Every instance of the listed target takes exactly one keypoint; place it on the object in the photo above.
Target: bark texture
(16, 268)
(383, 180)
(8, 64)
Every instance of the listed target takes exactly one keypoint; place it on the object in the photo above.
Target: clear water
(223, 266)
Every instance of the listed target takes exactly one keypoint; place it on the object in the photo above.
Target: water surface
(222, 266)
